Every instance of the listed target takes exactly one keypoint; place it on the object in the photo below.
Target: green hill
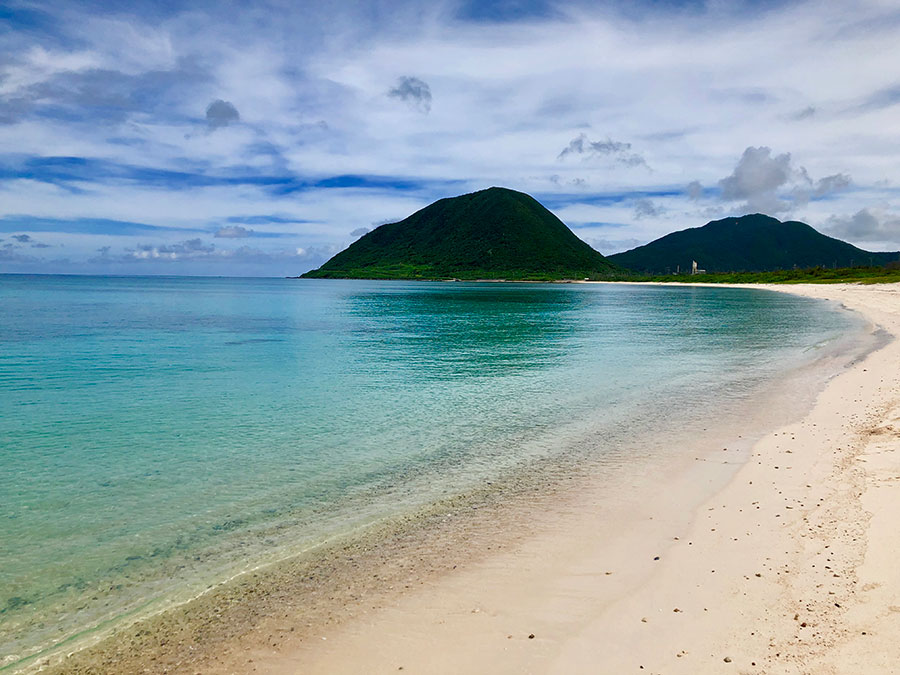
(491, 234)
(752, 243)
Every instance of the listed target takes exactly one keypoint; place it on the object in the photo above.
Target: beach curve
(786, 569)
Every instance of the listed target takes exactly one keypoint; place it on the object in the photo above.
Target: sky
(234, 138)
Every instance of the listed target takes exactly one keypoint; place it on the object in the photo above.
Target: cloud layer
(138, 130)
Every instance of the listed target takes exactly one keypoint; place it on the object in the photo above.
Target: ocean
(160, 434)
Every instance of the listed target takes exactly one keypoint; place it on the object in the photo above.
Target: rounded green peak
(491, 233)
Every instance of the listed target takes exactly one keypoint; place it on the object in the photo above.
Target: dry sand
(792, 567)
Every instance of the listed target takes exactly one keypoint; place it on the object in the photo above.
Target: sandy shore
(790, 568)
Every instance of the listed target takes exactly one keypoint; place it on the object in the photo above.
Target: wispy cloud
(694, 190)
(209, 256)
(87, 226)
(883, 98)
(414, 92)
(644, 208)
(804, 114)
(587, 149)
(233, 232)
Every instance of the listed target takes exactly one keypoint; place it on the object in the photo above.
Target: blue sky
(259, 139)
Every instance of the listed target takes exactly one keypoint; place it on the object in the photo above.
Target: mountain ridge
(750, 243)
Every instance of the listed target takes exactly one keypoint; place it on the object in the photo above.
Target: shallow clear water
(157, 434)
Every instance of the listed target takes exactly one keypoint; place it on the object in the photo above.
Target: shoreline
(787, 569)
(357, 634)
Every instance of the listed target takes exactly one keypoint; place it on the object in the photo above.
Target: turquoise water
(158, 434)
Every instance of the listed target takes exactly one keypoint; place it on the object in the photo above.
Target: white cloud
(687, 91)
(773, 185)
(757, 171)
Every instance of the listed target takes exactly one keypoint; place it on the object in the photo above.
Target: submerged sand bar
(789, 567)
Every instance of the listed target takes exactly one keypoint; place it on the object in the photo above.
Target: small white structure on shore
(695, 269)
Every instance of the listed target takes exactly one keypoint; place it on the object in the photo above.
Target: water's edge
(329, 577)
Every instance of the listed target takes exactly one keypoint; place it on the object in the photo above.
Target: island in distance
(503, 234)
(751, 243)
(491, 234)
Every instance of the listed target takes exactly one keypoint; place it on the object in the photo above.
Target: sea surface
(160, 434)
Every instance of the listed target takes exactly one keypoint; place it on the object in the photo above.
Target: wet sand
(787, 568)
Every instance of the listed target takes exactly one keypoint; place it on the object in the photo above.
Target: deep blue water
(157, 434)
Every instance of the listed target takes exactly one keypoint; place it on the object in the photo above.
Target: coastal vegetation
(889, 273)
